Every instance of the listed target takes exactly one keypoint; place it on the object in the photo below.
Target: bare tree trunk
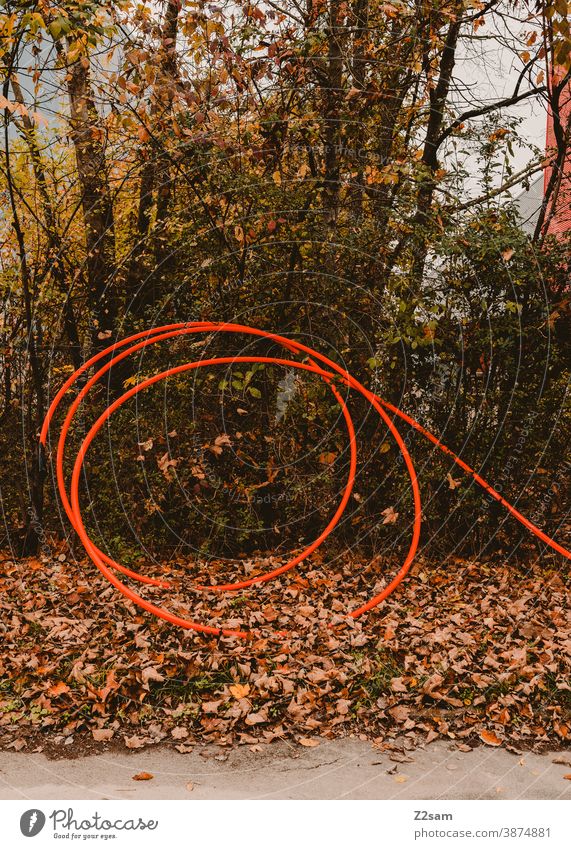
(58, 269)
(358, 73)
(333, 95)
(438, 99)
(156, 170)
(88, 136)
(33, 510)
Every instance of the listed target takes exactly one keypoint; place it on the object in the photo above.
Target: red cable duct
(326, 369)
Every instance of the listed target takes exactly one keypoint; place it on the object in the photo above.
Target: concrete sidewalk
(338, 769)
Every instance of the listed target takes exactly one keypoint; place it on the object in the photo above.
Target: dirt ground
(337, 769)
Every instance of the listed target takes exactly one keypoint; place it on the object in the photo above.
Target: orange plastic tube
(326, 369)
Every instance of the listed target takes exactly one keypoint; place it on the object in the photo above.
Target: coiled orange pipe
(315, 363)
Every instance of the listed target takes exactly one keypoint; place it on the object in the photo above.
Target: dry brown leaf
(180, 732)
(143, 776)
(390, 516)
(327, 458)
(151, 674)
(101, 735)
(399, 713)
(223, 439)
(189, 786)
(58, 689)
(256, 718)
(239, 691)
(308, 742)
(490, 739)
(134, 742)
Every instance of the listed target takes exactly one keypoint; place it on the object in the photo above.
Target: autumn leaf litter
(478, 653)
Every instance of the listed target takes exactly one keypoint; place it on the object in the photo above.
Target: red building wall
(561, 221)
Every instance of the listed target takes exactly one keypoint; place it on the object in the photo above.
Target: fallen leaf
(308, 742)
(101, 735)
(327, 458)
(239, 691)
(58, 689)
(452, 482)
(256, 718)
(179, 733)
(490, 739)
(190, 786)
(143, 776)
(134, 742)
(390, 516)
(399, 713)
(151, 674)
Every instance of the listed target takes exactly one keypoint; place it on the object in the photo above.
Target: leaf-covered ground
(469, 651)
